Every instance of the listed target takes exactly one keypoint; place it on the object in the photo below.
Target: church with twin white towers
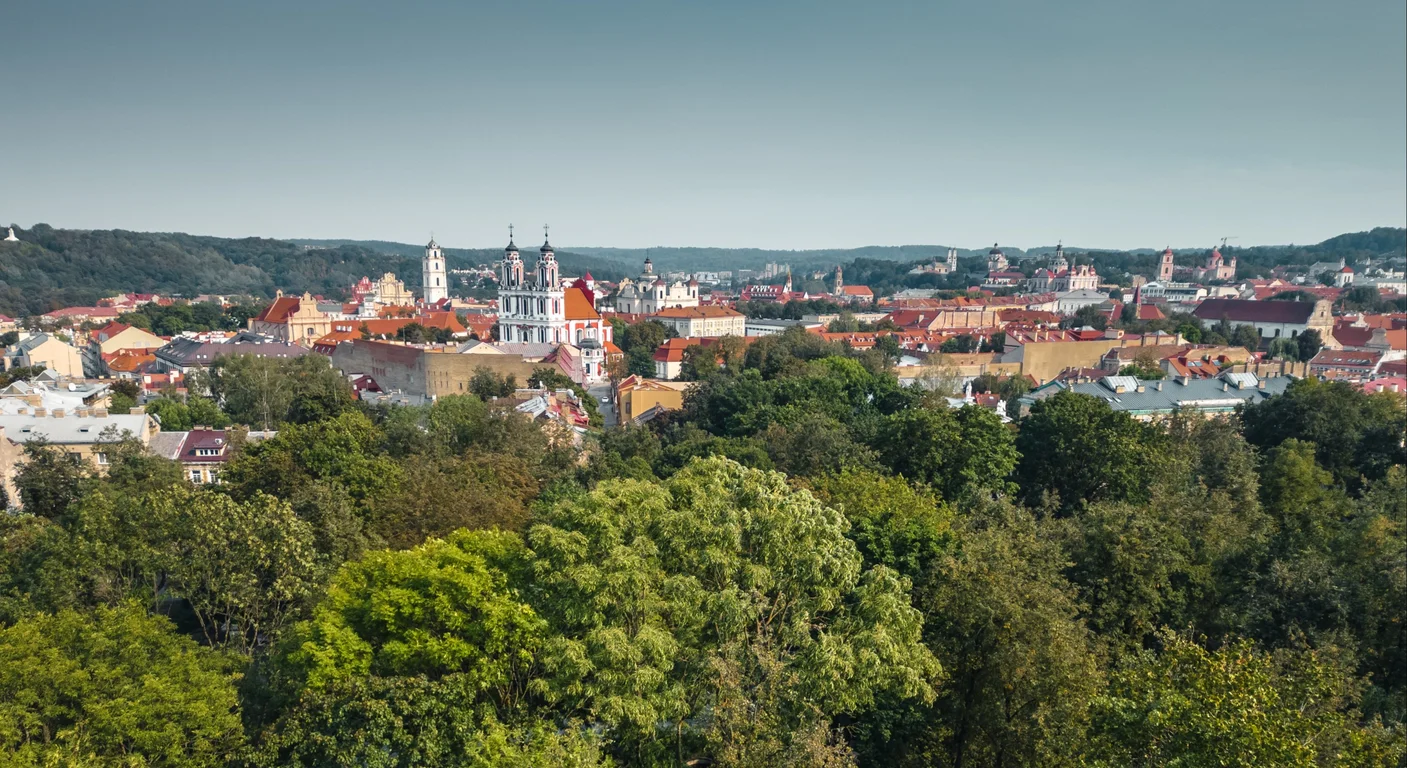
(534, 307)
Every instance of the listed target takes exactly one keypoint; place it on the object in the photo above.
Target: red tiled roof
(1150, 312)
(279, 311)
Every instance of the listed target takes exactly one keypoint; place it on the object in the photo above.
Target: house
(1271, 319)
(1070, 302)
(128, 364)
(79, 432)
(46, 350)
(78, 315)
(1353, 364)
(757, 326)
(293, 319)
(1043, 354)
(1147, 400)
(184, 355)
(116, 336)
(636, 395)
(1396, 384)
(690, 322)
(202, 452)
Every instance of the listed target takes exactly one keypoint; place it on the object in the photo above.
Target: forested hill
(51, 268)
(573, 262)
(1381, 241)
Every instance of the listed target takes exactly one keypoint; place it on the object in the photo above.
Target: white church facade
(536, 309)
(650, 294)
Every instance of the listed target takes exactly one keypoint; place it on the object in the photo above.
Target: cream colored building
(691, 322)
(46, 350)
(116, 337)
(80, 432)
(293, 319)
(391, 291)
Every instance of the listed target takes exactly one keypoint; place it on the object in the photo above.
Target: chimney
(138, 410)
(1159, 385)
(1260, 384)
(1225, 386)
(1184, 380)
(58, 413)
(1140, 388)
(41, 412)
(100, 413)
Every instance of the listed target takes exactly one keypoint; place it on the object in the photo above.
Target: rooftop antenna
(1224, 239)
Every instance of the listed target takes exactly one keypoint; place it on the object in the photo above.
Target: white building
(1070, 302)
(650, 294)
(435, 281)
(691, 322)
(536, 309)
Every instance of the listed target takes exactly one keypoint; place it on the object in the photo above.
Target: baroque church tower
(434, 278)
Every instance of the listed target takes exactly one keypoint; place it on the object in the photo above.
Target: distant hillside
(573, 262)
(52, 268)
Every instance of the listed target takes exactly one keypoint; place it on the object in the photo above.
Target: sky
(731, 123)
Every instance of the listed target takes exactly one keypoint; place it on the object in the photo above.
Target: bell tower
(434, 279)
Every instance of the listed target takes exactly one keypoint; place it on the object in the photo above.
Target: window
(195, 475)
(102, 459)
(207, 451)
(214, 476)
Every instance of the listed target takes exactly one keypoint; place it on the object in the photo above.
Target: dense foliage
(51, 268)
(807, 565)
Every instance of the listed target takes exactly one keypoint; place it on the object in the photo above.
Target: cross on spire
(544, 232)
(510, 233)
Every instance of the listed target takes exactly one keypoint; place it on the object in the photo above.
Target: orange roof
(279, 311)
(1150, 312)
(612, 349)
(445, 320)
(327, 343)
(578, 307)
(856, 290)
(129, 362)
(704, 311)
(108, 331)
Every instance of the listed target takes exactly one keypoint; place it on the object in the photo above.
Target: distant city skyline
(776, 125)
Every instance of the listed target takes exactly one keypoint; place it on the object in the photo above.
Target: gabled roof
(577, 306)
(1346, 358)
(1246, 311)
(279, 311)
(1150, 312)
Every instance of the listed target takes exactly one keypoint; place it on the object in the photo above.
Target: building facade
(535, 308)
(650, 293)
(689, 322)
(434, 278)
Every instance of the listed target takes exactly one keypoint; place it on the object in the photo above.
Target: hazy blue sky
(710, 122)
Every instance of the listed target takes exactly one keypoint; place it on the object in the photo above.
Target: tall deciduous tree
(673, 599)
(114, 687)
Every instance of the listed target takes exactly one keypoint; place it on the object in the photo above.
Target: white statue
(12, 238)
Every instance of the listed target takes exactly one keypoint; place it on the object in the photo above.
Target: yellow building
(636, 395)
